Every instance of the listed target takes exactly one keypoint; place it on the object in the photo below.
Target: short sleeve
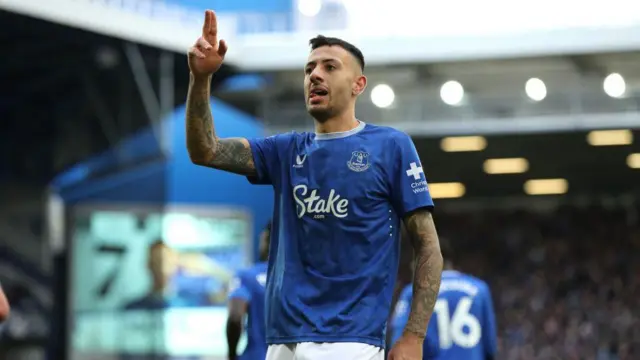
(409, 189)
(265, 159)
(238, 289)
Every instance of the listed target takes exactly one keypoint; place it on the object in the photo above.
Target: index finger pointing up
(207, 23)
(210, 27)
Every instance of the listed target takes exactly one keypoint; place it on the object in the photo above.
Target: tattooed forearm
(200, 133)
(234, 155)
(427, 272)
(204, 147)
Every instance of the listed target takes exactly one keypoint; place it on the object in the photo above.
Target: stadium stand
(565, 282)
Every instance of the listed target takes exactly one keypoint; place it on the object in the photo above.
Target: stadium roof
(68, 93)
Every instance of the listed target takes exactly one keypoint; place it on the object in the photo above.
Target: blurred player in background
(246, 297)
(4, 306)
(340, 194)
(163, 264)
(464, 325)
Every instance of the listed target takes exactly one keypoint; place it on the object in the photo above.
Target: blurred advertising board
(152, 283)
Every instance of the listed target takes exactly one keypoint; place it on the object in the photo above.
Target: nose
(316, 76)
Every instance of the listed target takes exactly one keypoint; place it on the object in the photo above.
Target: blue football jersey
(463, 324)
(249, 285)
(333, 259)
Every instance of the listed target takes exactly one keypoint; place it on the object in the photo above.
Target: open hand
(207, 54)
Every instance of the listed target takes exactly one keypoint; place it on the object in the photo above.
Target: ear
(359, 85)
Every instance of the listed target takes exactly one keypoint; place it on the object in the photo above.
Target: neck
(448, 266)
(343, 122)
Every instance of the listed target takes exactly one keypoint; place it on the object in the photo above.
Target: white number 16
(451, 328)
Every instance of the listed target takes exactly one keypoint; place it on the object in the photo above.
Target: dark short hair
(321, 40)
(268, 227)
(159, 243)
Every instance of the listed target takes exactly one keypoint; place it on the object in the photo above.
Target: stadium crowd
(565, 284)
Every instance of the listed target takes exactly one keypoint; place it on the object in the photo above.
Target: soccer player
(246, 297)
(340, 194)
(464, 326)
(163, 264)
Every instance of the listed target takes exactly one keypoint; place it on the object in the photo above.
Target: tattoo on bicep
(234, 155)
(427, 270)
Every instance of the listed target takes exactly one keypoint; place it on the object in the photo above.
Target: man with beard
(340, 194)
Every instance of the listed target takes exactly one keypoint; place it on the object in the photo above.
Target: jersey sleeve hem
(242, 294)
(260, 178)
(240, 297)
(412, 209)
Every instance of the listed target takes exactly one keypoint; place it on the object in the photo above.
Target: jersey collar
(341, 134)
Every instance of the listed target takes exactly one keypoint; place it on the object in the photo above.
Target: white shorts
(325, 351)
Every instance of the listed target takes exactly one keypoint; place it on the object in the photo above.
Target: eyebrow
(324, 61)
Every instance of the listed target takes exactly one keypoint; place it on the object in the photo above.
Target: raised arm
(427, 272)
(204, 146)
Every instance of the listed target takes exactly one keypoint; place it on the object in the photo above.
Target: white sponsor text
(315, 205)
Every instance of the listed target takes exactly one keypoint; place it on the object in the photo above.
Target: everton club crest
(359, 161)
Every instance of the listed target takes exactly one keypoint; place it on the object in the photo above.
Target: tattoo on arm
(199, 121)
(205, 148)
(427, 271)
(234, 155)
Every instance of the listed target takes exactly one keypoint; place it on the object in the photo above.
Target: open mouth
(317, 94)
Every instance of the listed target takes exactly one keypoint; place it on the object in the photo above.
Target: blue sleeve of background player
(400, 314)
(266, 158)
(409, 190)
(490, 337)
(238, 289)
(431, 347)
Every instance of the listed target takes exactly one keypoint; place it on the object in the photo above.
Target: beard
(321, 114)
